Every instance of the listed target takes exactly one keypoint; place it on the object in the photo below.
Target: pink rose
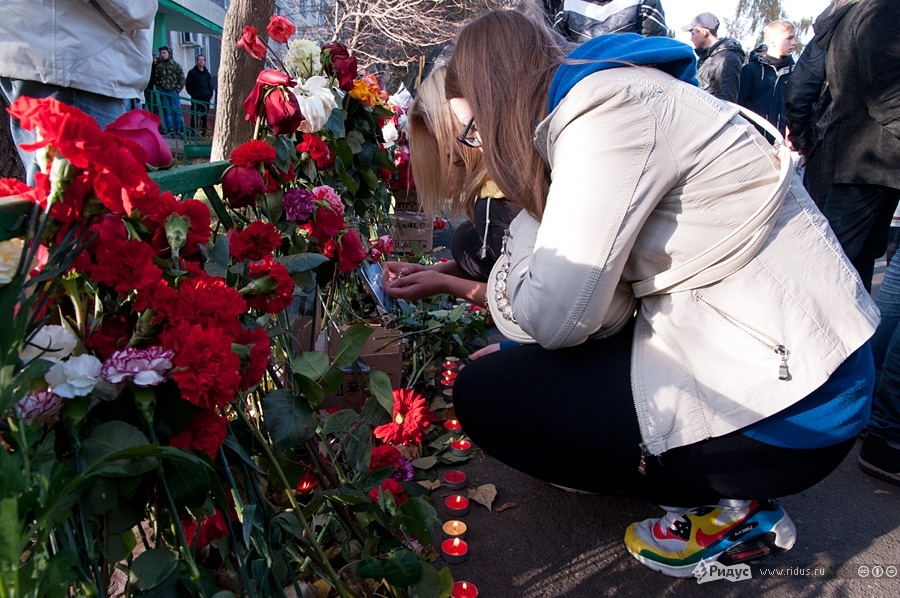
(142, 127)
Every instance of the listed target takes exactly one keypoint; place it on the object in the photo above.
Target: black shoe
(879, 459)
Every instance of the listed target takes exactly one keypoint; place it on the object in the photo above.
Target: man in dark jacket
(581, 20)
(862, 141)
(200, 86)
(807, 102)
(767, 71)
(719, 61)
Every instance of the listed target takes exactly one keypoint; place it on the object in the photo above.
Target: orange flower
(410, 419)
(367, 91)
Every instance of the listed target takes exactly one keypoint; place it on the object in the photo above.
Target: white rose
(75, 377)
(390, 132)
(52, 343)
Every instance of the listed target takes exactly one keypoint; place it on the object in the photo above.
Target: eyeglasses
(469, 140)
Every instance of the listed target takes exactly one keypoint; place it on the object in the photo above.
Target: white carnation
(10, 254)
(304, 58)
(75, 377)
(49, 342)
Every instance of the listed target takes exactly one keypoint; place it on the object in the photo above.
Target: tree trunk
(237, 74)
(10, 163)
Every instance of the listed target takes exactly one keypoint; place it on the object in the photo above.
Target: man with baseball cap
(719, 61)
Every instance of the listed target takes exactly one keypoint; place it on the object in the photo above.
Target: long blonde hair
(433, 149)
(502, 65)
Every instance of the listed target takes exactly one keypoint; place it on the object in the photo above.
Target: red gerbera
(250, 154)
(410, 419)
(255, 242)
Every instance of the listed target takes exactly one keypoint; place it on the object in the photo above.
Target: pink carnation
(326, 193)
(146, 367)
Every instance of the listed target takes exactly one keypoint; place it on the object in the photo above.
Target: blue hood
(667, 55)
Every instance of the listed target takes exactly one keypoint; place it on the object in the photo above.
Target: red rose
(281, 107)
(252, 153)
(351, 251)
(326, 222)
(241, 185)
(250, 42)
(255, 242)
(205, 432)
(393, 487)
(142, 127)
(280, 29)
(342, 66)
(318, 150)
(329, 248)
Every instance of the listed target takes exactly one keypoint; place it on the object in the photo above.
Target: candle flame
(465, 586)
(458, 499)
(456, 543)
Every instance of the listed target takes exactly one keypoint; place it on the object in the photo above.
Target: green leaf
(402, 568)
(358, 445)
(373, 414)
(102, 497)
(120, 545)
(250, 519)
(380, 385)
(152, 567)
(312, 364)
(435, 583)
(335, 123)
(10, 533)
(341, 421)
(370, 568)
(312, 390)
(352, 341)
(14, 213)
(425, 462)
(356, 141)
(217, 259)
(188, 482)
(290, 422)
(301, 262)
(418, 518)
(373, 479)
(111, 438)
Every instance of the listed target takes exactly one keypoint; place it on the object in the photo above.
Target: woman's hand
(392, 271)
(413, 282)
(492, 348)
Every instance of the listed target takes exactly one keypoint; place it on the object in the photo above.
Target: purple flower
(145, 366)
(42, 407)
(298, 204)
(404, 471)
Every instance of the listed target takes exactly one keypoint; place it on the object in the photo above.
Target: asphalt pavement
(538, 541)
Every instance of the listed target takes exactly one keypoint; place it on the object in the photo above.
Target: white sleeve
(129, 15)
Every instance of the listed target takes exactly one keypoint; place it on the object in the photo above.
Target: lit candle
(452, 425)
(464, 589)
(454, 551)
(450, 363)
(454, 479)
(450, 375)
(461, 447)
(455, 529)
(457, 505)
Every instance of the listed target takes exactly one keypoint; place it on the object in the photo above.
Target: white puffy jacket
(647, 172)
(99, 46)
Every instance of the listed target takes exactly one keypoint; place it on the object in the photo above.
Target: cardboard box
(411, 224)
(381, 352)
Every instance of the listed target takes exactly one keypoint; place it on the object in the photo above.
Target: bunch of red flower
(106, 195)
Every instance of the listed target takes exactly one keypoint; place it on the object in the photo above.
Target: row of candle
(454, 548)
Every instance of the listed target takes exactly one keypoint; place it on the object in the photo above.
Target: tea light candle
(448, 395)
(452, 425)
(454, 551)
(455, 529)
(454, 479)
(464, 589)
(461, 447)
(457, 505)
(450, 363)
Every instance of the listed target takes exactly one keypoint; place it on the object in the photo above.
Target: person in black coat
(719, 61)
(862, 141)
(200, 86)
(767, 71)
(807, 102)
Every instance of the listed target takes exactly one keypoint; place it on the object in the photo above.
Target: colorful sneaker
(676, 543)
(879, 459)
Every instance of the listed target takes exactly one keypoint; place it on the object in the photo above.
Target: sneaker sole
(890, 478)
(782, 537)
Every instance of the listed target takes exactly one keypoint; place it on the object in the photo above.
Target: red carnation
(351, 251)
(211, 528)
(272, 289)
(342, 66)
(393, 487)
(255, 242)
(125, 265)
(384, 455)
(206, 370)
(250, 42)
(252, 153)
(318, 150)
(205, 432)
(72, 132)
(280, 29)
(254, 366)
(197, 214)
(410, 419)
(208, 301)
